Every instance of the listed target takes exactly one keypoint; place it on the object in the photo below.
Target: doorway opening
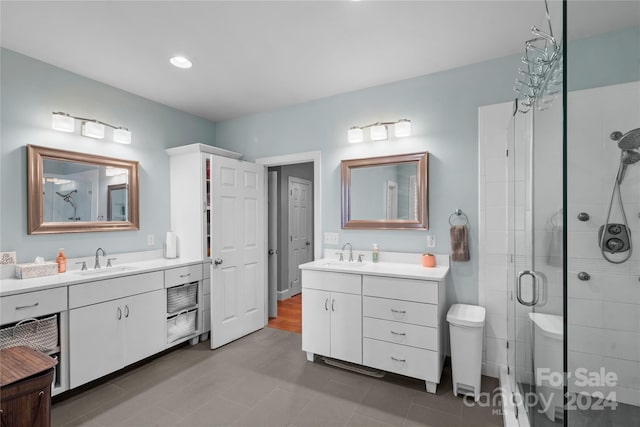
(293, 200)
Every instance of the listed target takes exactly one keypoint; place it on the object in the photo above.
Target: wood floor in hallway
(289, 315)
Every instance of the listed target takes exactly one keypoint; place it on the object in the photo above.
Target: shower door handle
(533, 275)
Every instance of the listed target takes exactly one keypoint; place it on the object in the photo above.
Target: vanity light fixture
(379, 131)
(91, 128)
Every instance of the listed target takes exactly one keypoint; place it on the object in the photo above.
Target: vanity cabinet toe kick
(393, 324)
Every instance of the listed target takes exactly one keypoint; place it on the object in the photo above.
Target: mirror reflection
(385, 192)
(71, 192)
(75, 191)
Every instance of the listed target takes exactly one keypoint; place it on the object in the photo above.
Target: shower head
(628, 141)
(629, 157)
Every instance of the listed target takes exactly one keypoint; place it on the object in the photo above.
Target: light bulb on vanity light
(355, 135)
(378, 132)
(62, 122)
(402, 128)
(93, 130)
(122, 135)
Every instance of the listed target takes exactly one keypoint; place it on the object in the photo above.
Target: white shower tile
(495, 302)
(496, 168)
(619, 344)
(496, 326)
(495, 194)
(497, 351)
(585, 312)
(495, 277)
(584, 245)
(621, 316)
(496, 218)
(628, 371)
(496, 242)
(584, 339)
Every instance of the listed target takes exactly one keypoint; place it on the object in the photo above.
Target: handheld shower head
(628, 141)
(629, 157)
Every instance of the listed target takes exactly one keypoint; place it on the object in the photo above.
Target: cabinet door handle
(182, 276)
(119, 313)
(398, 311)
(399, 333)
(333, 302)
(126, 311)
(24, 307)
(326, 301)
(398, 360)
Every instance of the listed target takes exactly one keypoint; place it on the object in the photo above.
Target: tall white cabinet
(217, 212)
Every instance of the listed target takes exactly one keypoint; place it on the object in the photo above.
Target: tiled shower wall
(493, 124)
(604, 312)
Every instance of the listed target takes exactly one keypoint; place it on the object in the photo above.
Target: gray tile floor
(264, 379)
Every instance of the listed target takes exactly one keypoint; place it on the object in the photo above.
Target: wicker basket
(181, 297)
(39, 334)
(180, 326)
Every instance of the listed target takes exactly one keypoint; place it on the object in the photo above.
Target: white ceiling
(257, 56)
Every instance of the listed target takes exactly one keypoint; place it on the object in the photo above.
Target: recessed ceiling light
(180, 62)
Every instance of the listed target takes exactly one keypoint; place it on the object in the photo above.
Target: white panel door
(237, 222)
(346, 327)
(300, 230)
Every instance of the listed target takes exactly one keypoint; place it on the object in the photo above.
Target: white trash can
(466, 327)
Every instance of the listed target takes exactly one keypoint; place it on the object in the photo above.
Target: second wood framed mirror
(389, 192)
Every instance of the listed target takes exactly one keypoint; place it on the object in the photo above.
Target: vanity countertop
(12, 286)
(393, 269)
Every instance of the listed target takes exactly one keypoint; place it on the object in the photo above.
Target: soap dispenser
(62, 261)
(374, 253)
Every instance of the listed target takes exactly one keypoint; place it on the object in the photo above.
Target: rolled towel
(459, 243)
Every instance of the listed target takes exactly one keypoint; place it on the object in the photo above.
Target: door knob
(271, 252)
(217, 261)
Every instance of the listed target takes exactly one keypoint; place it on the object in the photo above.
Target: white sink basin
(344, 264)
(105, 270)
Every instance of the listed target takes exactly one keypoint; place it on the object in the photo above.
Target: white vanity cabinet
(388, 316)
(113, 323)
(332, 315)
(403, 327)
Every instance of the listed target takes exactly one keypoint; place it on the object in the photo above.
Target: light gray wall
(31, 90)
(443, 108)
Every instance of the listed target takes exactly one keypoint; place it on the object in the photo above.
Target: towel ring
(457, 213)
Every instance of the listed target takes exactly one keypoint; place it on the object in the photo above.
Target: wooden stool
(25, 387)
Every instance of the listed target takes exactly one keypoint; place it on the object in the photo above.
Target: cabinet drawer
(400, 311)
(401, 359)
(110, 289)
(401, 333)
(406, 289)
(31, 304)
(180, 275)
(330, 281)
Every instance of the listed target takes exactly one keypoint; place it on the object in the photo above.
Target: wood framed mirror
(388, 192)
(69, 192)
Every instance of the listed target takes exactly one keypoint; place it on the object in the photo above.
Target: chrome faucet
(97, 264)
(350, 251)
